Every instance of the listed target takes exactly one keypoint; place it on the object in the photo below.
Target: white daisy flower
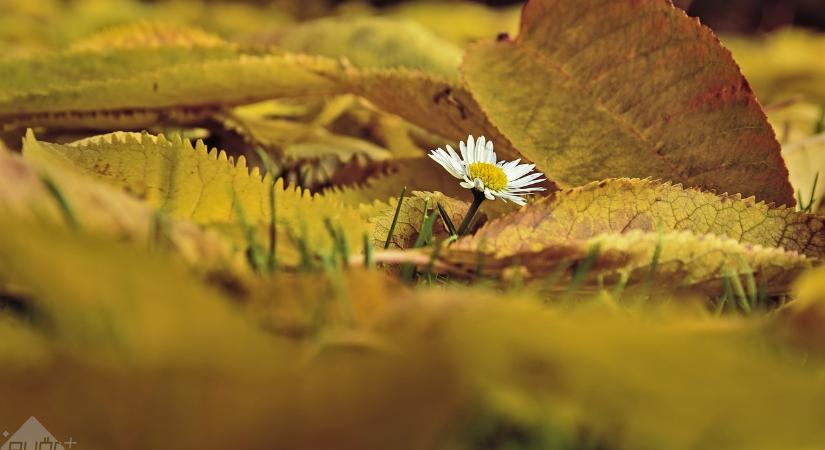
(480, 171)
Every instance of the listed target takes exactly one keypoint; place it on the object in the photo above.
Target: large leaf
(642, 229)
(194, 183)
(619, 205)
(591, 90)
(138, 86)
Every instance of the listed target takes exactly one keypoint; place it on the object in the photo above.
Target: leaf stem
(478, 198)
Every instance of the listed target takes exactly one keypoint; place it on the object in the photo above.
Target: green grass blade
(369, 258)
(580, 273)
(254, 252)
(395, 217)
(448, 223)
(62, 201)
(269, 166)
(739, 291)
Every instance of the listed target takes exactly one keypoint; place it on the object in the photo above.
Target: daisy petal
(465, 155)
(526, 180)
(454, 155)
(441, 157)
(519, 171)
(471, 149)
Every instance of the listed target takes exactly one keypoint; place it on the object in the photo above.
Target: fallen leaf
(620, 205)
(203, 186)
(591, 90)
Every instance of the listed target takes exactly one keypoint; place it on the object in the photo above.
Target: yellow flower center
(491, 175)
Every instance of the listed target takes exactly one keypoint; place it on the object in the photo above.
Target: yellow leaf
(93, 293)
(411, 216)
(317, 302)
(148, 34)
(591, 90)
(619, 205)
(632, 381)
(143, 84)
(203, 186)
(670, 260)
(800, 322)
(124, 337)
(25, 195)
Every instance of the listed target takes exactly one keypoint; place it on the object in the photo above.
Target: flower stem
(478, 197)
